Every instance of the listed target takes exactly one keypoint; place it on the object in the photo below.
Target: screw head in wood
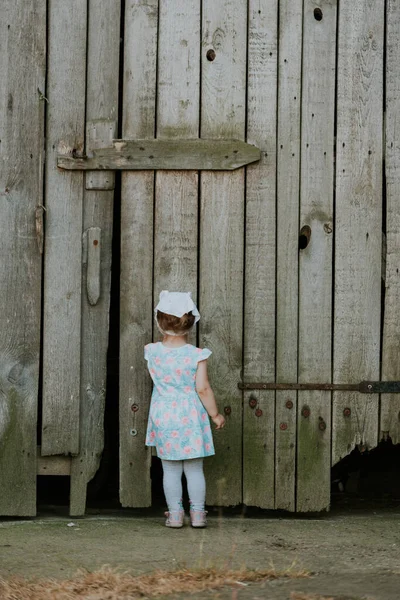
(258, 412)
(227, 410)
(289, 404)
(283, 426)
(134, 408)
(306, 412)
(322, 425)
(133, 432)
(252, 402)
(347, 411)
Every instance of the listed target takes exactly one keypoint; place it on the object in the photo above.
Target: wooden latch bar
(364, 387)
(139, 155)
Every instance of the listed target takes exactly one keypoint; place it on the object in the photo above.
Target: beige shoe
(198, 518)
(174, 518)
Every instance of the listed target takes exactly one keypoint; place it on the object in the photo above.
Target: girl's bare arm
(206, 394)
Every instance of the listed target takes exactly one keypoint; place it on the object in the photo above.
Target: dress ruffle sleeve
(147, 351)
(203, 355)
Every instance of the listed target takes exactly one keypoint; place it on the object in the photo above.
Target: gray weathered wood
(313, 485)
(358, 239)
(259, 303)
(223, 83)
(288, 182)
(176, 201)
(101, 132)
(137, 155)
(140, 60)
(53, 465)
(390, 404)
(101, 112)
(63, 235)
(22, 73)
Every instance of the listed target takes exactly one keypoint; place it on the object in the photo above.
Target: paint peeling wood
(390, 403)
(101, 112)
(101, 132)
(358, 239)
(137, 155)
(140, 60)
(22, 73)
(63, 236)
(288, 182)
(223, 83)
(259, 307)
(315, 265)
(176, 226)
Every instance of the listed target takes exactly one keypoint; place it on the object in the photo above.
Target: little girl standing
(178, 424)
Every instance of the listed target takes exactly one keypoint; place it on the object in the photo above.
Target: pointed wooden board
(138, 155)
(101, 107)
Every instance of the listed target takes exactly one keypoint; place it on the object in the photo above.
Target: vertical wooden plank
(63, 240)
(22, 73)
(176, 205)
(223, 89)
(101, 103)
(288, 182)
(315, 265)
(259, 298)
(136, 317)
(358, 237)
(390, 404)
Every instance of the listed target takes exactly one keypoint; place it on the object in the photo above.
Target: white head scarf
(176, 304)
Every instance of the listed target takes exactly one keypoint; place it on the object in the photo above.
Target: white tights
(193, 469)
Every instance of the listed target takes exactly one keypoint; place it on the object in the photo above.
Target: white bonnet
(177, 304)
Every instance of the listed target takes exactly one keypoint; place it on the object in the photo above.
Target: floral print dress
(178, 425)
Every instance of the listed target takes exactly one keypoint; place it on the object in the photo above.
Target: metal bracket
(364, 387)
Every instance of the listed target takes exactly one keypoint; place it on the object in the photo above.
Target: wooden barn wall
(315, 87)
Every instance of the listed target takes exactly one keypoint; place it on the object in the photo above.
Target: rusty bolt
(289, 404)
(211, 55)
(283, 426)
(227, 410)
(322, 425)
(258, 412)
(327, 228)
(252, 402)
(306, 412)
(347, 412)
(134, 408)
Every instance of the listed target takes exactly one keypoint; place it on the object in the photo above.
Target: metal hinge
(364, 387)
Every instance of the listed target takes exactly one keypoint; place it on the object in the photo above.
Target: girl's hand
(219, 421)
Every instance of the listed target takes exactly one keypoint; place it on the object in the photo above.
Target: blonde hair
(176, 325)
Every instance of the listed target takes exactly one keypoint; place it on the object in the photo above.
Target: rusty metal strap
(364, 387)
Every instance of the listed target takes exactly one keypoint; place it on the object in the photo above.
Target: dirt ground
(351, 554)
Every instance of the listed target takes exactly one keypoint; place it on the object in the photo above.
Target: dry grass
(300, 596)
(109, 584)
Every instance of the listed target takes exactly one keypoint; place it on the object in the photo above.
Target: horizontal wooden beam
(53, 465)
(139, 155)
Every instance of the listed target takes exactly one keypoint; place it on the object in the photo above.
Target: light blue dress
(178, 425)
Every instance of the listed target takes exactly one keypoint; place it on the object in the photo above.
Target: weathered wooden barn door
(285, 255)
